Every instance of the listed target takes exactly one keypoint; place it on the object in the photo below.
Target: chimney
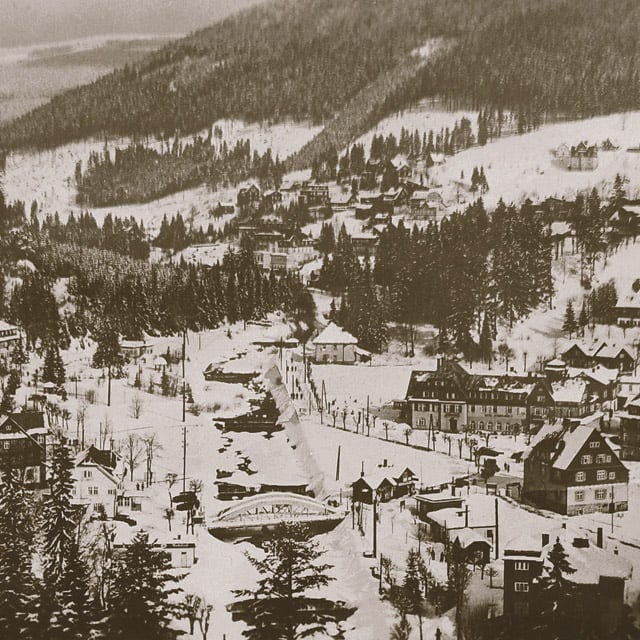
(615, 551)
(564, 524)
(384, 463)
(599, 538)
(545, 539)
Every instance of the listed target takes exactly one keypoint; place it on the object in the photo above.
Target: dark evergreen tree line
(461, 277)
(122, 235)
(140, 173)
(140, 297)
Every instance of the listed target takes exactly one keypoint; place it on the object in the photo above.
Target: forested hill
(348, 62)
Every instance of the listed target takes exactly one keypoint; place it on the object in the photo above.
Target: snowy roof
(333, 334)
(629, 379)
(589, 562)
(629, 302)
(467, 536)
(420, 195)
(132, 344)
(5, 326)
(375, 478)
(160, 361)
(569, 391)
(612, 351)
(560, 228)
(481, 513)
(599, 374)
(556, 362)
(587, 349)
(573, 440)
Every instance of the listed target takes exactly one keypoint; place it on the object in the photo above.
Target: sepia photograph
(319, 319)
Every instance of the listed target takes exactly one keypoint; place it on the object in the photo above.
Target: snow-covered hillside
(47, 176)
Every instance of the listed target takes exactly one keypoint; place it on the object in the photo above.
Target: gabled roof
(333, 334)
(26, 419)
(629, 302)
(563, 442)
(598, 374)
(588, 350)
(612, 351)
(569, 391)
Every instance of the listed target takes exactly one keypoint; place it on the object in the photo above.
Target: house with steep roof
(437, 399)
(572, 398)
(334, 345)
(572, 469)
(628, 311)
(97, 476)
(599, 578)
(25, 446)
(583, 157)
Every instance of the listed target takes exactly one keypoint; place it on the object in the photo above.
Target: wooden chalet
(25, 446)
(571, 469)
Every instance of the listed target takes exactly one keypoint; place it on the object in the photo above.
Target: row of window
(599, 494)
(423, 407)
(498, 409)
(601, 474)
(94, 491)
(601, 458)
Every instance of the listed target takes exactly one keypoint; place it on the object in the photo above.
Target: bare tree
(133, 453)
(170, 479)
(151, 447)
(204, 617)
(407, 432)
(196, 485)
(81, 413)
(105, 433)
(191, 610)
(136, 406)
(168, 516)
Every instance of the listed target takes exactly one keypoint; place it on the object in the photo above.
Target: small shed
(365, 487)
(470, 546)
(335, 345)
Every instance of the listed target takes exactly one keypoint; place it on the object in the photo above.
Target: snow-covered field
(47, 176)
(518, 167)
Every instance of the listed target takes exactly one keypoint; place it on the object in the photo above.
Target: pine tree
(74, 614)
(17, 584)
(570, 325)
(139, 598)
(411, 587)
(558, 594)
(107, 353)
(53, 367)
(583, 319)
(59, 526)
(19, 356)
(289, 569)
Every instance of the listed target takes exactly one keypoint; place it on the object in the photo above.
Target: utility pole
(338, 465)
(109, 386)
(375, 525)
(497, 532)
(184, 459)
(184, 382)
